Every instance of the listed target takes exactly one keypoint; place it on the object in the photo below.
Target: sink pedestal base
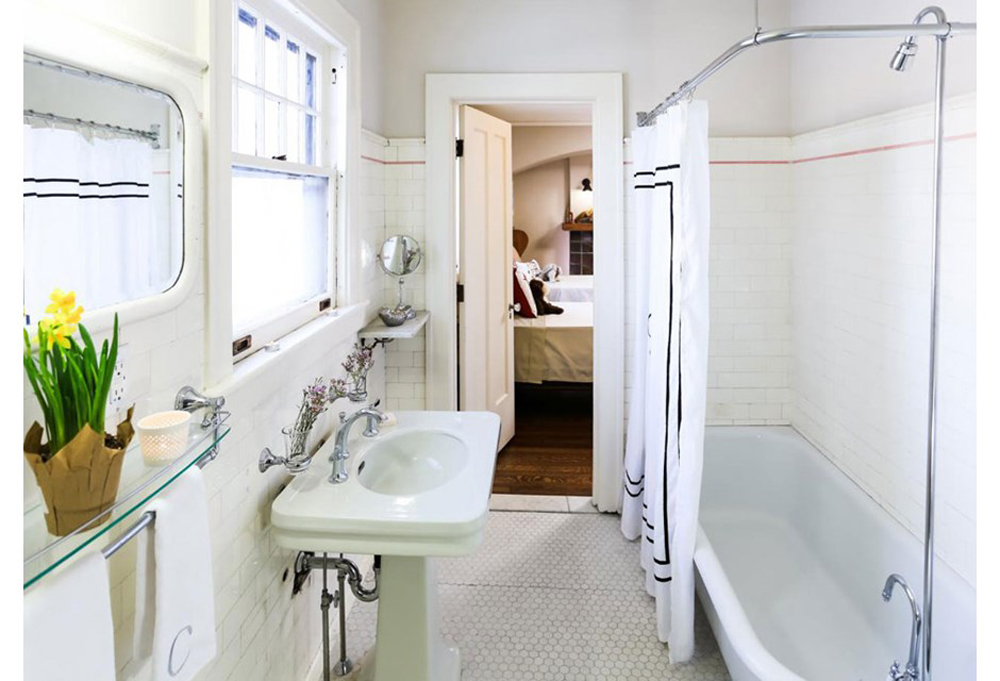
(408, 641)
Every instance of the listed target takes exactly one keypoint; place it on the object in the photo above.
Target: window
(284, 177)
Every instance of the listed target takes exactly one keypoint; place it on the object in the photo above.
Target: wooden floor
(552, 449)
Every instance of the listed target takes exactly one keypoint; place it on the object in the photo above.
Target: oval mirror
(400, 255)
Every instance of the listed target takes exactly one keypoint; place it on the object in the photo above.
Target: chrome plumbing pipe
(939, 30)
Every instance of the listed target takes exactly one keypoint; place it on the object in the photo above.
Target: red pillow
(523, 296)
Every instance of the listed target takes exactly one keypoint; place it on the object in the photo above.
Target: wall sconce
(586, 184)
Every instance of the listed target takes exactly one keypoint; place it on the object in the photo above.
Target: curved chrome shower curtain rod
(945, 30)
(942, 30)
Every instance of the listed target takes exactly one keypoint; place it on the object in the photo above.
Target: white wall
(656, 44)
(541, 196)
(263, 633)
(402, 161)
(749, 347)
(836, 81)
(370, 17)
(861, 291)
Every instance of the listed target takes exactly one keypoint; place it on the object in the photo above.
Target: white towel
(68, 633)
(175, 611)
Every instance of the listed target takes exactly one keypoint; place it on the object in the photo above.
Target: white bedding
(556, 347)
(572, 288)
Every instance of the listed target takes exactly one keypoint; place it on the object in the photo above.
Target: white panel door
(486, 326)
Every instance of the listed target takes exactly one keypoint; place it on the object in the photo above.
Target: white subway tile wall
(861, 308)
(749, 271)
(404, 214)
(818, 279)
(262, 632)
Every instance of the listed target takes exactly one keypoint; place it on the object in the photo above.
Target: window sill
(333, 328)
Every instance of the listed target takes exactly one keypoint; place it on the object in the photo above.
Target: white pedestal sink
(419, 490)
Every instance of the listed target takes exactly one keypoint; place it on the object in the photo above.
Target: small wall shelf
(139, 483)
(378, 332)
(578, 226)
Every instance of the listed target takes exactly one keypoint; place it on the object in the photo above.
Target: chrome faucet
(911, 672)
(340, 453)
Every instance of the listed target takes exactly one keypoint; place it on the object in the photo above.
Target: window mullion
(282, 92)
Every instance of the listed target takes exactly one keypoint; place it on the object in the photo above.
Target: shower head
(906, 50)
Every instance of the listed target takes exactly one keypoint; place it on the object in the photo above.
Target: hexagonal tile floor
(553, 597)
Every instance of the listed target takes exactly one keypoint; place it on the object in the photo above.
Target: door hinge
(459, 148)
(460, 292)
(241, 344)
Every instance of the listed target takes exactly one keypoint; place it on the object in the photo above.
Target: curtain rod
(153, 134)
(946, 29)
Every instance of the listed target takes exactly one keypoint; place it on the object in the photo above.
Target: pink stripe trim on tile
(749, 163)
(840, 154)
(392, 163)
(887, 147)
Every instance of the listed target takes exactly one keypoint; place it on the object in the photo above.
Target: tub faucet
(340, 453)
(910, 673)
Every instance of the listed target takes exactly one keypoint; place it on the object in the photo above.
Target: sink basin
(412, 462)
(419, 489)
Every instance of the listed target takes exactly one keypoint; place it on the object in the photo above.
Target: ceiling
(540, 113)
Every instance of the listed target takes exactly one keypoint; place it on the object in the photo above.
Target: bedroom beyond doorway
(548, 304)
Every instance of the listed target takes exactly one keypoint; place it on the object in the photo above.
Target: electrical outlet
(118, 395)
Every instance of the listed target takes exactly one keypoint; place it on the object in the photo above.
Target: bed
(572, 288)
(556, 347)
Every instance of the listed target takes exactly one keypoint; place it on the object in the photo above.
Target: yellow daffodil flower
(64, 320)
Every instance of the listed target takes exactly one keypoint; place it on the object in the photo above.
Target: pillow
(524, 269)
(535, 269)
(523, 296)
(552, 272)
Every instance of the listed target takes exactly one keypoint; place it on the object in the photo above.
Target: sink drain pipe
(347, 571)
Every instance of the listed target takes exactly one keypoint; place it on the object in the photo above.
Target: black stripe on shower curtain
(73, 191)
(629, 482)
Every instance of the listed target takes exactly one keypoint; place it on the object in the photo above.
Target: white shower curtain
(89, 225)
(666, 429)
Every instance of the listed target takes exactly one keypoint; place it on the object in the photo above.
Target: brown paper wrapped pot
(81, 480)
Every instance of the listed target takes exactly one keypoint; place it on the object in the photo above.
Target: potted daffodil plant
(78, 467)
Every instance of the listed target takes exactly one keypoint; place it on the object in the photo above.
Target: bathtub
(791, 559)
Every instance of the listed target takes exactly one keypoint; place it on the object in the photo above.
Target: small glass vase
(295, 449)
(359, 391)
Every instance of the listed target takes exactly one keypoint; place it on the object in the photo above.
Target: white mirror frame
(154, 65)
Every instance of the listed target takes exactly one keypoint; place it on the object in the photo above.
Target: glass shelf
(45, 552)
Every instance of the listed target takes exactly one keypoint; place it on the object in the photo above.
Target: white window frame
(327, 129)
(328, 19)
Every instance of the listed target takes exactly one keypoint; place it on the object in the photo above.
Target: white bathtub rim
(733, 619)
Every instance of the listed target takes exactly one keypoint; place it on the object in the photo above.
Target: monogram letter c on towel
(170, 661)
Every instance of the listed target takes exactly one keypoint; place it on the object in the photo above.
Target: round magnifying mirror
(400, 255)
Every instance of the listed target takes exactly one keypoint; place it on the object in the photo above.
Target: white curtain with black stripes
(88, 219)
(666, 429)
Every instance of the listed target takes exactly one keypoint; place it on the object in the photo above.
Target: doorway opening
(525, 238)
(469, 367)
